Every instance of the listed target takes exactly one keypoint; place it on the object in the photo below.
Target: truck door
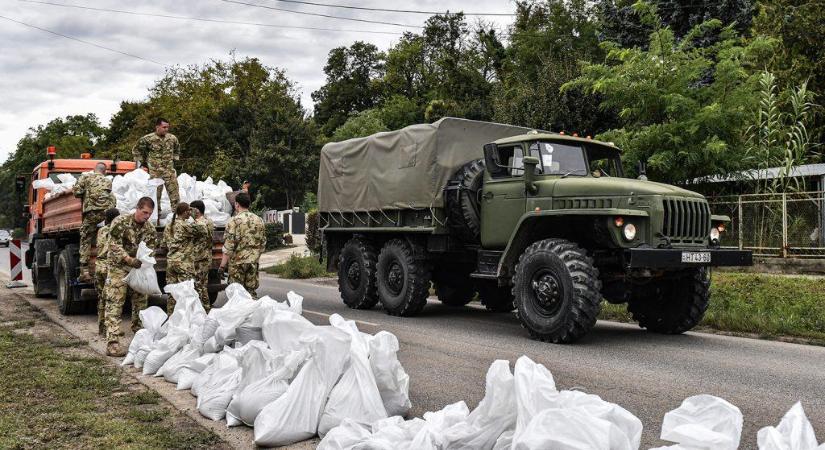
(503, 199)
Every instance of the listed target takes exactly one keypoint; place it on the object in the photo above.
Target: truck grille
(686, 221)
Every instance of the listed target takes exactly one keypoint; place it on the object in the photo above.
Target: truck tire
(68, 296)
(671, 306)
(42, 281)
(494, 297)
(356, 274)
(403, 281)
(463, 208)
(556, 288)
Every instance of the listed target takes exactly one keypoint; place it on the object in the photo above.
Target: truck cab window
(513, 158)
(604, 163)
(559, 159)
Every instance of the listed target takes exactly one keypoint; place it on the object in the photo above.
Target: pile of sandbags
(66, 182)
(262, 364)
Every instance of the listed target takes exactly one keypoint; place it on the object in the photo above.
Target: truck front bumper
(666, 258)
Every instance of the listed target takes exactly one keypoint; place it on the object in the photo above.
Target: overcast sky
(43, 76)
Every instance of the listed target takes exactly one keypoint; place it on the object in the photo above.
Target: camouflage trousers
(246, 274)
(116, 292)
(100, 283)
(202, 269)
(88, 230)
(170, 179)
(175, 273)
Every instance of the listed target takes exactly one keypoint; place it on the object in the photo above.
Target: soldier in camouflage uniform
(125, 234)
(204, 262)
(101, 264)
(244, 242)
(96, 191)
(158, 152)
(181, 239)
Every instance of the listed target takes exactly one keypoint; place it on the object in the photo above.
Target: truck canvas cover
(407, 168)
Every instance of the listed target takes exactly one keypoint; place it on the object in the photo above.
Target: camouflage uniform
(204, 262)
(102, 244)
(124, 237)
(181, 239)
(96, 191)
(245, 241)
(159, 154)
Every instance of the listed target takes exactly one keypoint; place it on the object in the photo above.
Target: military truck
(541, 223)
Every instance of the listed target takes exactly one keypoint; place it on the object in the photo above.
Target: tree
(362, 124)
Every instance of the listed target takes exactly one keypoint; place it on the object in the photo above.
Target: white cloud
(43, 76)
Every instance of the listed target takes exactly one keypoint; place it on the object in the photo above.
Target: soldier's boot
(114, 349)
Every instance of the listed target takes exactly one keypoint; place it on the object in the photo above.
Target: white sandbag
(294, 416)
(794, 432)
(704, 422)
(142, 337)
(282, 330)
(392, 381)
(245, 334)
(191, 370)
(296, 302)
(233, 313)
(211, 345)
(170, 369)
(144, 279)
(142, 353)
(505, 441)
(188, 313)
(345, 436)
(495, 414)
(45, 183)
(223, 360)
(535, 390)
(431, 435)
(216, 393)
(248, 403)
(356, 394)
(164, 349)
(570, 429)
(393, 433)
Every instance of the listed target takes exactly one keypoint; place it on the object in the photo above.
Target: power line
(84, 41)
(406, 11)
(328, 16)
(202, 19)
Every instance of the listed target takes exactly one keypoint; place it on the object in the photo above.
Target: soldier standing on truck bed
(125, 234)
(181, 238)
(244, 242)
(203, 261)
(96, 191)
(101, 267)
(158, 151)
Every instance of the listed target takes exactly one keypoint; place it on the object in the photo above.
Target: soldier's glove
(135, 263)
(222, 272)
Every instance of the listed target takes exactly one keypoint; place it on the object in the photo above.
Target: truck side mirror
(20, 184)
(530, 163)
(491, 159)
(642, 169)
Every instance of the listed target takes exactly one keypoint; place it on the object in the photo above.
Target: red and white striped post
(15, 265)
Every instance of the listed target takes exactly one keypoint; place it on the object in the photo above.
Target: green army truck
(541, 223)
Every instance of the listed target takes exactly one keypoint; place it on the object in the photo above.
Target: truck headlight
(629, 231)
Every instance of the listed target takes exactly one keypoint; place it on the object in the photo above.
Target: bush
(313, 236)
(287, 239)
(300, 267)
(274, 235)
(18, 233)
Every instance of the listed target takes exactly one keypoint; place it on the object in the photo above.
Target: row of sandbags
(524, 410)
(262, 364)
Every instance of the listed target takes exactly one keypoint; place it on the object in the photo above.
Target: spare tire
(463, 208)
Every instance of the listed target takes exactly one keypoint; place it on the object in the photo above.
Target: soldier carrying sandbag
(95, 190)
(181, 238)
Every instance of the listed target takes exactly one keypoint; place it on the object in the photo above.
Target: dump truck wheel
(403, 281)
(356, 274)
(494, 297)
(67, 302)
(44, 286)
(672, 306)
(556, 288)
(463, 208)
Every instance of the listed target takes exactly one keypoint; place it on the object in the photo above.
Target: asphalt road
(447, 351)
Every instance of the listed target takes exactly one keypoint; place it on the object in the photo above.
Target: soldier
(125, 234)
(244, 242)
(204, 261)
(96, 191)
(101, 261)
(181, 239)
(158, 151)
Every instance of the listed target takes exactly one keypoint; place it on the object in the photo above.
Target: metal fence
(787, 225)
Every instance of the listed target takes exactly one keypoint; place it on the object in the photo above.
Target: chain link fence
(787, 225)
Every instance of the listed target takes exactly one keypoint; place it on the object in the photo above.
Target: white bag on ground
(535, 389)
(570, 429)
(144, 279)
(495, 414)
(152, 319)
(393, 433)
(794, 432)
(164, 349)
(233, 313)
(216, 393)
(248, 403)
(431, 435)
(392, 381)
(356, 395)
(282, 330)
(294, 416)
(170, 369)
(704, 422)
(222, 360)
(190, 371)
(345, 436)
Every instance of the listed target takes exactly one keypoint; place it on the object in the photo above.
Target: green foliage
(313, 236)
(361, 124)
(274, 235)
(300, 267)
(310, 202)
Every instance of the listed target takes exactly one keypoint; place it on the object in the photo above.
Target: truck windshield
(558, 159)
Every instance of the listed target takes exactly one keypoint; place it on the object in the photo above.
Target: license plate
(695, 257)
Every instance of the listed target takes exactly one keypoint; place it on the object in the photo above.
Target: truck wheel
(403, 282)
(42, 282)
(463, 209)
(494, 297)
(356, 274)
(672, 306)
(556, 289)
(67, 302)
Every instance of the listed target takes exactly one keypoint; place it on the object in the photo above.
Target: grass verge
(769, 306)
(300, 267)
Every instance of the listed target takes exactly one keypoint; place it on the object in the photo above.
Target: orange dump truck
(54, 237)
